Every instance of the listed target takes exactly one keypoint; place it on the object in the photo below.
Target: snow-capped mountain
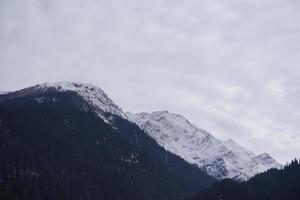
(221, 159)
(57, 129)
(94, 96)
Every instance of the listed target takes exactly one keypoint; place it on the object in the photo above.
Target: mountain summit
(94, 96)
(221, 159)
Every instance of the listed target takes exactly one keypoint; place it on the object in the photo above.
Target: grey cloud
(231, 66)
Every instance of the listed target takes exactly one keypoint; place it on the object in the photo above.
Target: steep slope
(221, 159)
(56, 145)
(275, 184)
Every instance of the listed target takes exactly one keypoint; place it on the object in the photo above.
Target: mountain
(93, 96)
(221, 159)
(71, 141)
(275, 184)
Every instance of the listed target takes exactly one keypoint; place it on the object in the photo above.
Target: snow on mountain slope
(3, 92)
(221, 159)
(93, 95)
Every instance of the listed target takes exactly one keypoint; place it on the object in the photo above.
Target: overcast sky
(231, 67)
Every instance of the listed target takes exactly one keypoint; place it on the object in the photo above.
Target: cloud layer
(231, 67)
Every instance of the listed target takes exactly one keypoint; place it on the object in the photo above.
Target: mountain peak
(266, 159)
(167, 116)
(93, 95)
(264, 155)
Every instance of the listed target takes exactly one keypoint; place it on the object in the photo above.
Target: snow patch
(4, 92)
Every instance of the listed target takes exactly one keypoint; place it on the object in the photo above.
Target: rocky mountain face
(221, 159)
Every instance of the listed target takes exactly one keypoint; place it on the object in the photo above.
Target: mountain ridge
(221, 159)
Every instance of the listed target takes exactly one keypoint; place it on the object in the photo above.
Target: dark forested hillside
(56, 149)
(275, 184)
(187, 174)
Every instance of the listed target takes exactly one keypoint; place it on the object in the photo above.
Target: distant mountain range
(71, 141)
